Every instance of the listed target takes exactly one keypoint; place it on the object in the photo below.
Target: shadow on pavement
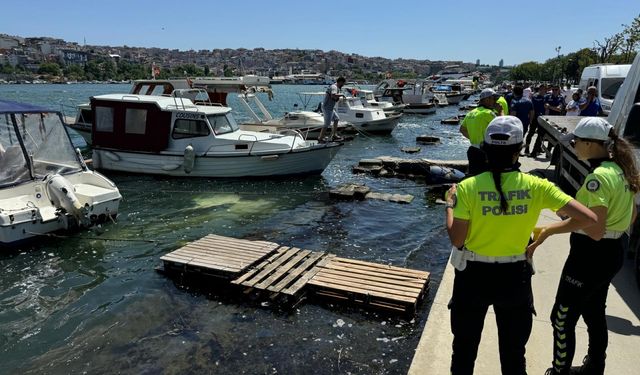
(622, 326)
(625, 284)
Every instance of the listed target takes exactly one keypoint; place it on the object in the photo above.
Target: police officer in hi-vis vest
(597, 252)
(489, 218)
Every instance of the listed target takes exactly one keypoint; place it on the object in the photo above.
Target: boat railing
(252, 138)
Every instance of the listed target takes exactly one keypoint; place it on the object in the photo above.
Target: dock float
(282, 273)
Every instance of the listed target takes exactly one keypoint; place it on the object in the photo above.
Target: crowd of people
(491, 216)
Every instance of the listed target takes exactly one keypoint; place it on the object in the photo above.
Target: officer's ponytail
(501, 159)
(622, 154)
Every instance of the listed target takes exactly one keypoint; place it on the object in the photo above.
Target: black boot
(590, 366)
(553, 371)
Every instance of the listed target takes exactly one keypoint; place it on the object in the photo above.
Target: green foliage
(620, 48)
(50, 68)
(7, 69)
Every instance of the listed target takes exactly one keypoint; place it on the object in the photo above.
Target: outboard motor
(62, 194)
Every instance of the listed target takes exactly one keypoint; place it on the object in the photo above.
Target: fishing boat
(369, 100)
(248, 90)
(45, 185)
(363, 119)
(454, 96)
(82, 123)
(409, 93)
(183, 135)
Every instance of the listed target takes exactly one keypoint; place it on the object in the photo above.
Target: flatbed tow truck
(625, 118)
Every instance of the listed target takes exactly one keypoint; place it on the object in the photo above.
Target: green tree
(73, 72)
(7, 69)
(527, 71)
(631, 40)
(50, 68)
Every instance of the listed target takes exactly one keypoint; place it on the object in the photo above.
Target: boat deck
(284, 273)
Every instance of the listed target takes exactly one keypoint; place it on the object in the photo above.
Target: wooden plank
(283, 269)
(418, 273)
(218, 258)
(226, 250)
(271, 267)
(231, 247)
(400, 280)
(313, 258)
(401, 308)
(339, 282)
(301, 282)
(260, 266)
(363, 292)
(217, 252)
(381, 267)
(377, 281)
(229, 241)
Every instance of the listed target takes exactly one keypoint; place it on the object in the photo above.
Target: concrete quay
(433, 353)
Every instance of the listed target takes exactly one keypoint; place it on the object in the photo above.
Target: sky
(515, 31)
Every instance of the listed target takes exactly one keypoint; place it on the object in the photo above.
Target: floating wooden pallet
(370, 284)
(286, 271)
(290, 272)
(218, 256)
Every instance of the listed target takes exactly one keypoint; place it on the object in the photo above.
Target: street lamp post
(558, 62)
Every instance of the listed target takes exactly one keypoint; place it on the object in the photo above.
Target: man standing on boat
(330, 99)
(473, 127)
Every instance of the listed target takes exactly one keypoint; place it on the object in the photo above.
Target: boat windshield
(45, 141)
(222, 123)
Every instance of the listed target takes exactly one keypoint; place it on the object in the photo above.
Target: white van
(607, 78)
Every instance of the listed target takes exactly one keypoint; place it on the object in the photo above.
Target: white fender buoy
(62, 194)
(189, 159)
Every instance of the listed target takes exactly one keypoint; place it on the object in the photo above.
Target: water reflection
(93, 302)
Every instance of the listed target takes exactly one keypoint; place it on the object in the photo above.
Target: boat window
(609, 87)
(222, 124)
(48, 144)
(183, 128)
(13, 165)
(104, 119)
(135, 121)
(86, 116)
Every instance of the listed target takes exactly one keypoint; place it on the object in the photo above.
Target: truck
(625, 118)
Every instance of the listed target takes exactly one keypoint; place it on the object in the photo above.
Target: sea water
(93, 303)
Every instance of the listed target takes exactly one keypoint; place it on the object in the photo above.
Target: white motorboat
(453, 96)
(417, 100)
(248, 88)
(174, 136)
(363, 119)
(369, 100)
(45, 184)
(81, 123)
(165, 87)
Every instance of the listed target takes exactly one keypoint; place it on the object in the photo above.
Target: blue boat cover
(7, 106)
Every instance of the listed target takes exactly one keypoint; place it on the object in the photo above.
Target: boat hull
(420, 109)
(380, 126)
(27, 211)
(309, 161)
(83, 130)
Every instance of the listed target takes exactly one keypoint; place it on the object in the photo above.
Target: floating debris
(427, 139)
(455, 120)
(433, 171)
(360, 192)
(410, 150)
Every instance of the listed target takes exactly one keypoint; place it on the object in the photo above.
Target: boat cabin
(154, 124)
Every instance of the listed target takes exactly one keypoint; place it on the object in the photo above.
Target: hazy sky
(466, 30)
